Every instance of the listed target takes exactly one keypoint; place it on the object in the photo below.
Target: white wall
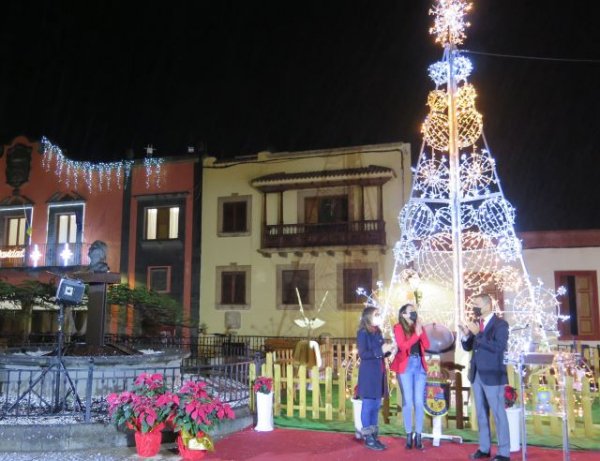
(543, 262)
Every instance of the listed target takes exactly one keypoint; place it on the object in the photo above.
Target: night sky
(237, 77)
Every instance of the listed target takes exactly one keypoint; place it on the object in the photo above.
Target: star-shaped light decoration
(449, 24)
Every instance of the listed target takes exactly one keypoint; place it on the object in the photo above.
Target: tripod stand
(59, 369)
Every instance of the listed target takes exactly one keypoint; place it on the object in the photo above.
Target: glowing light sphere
(435, 258)
(435, 131)
(496, 216)
(470, 124)
(469, 121)
(534, 314)
(468, 216)
(437, 100)
(405, 251)
(476, 173)
(507, 278)
(432, 178)
(416, 220)
(509, 248)
(438, 72)
(443, 219)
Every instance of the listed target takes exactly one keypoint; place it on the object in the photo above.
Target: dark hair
(408, 329)
(366, 319)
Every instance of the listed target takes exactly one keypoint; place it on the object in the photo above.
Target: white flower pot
(514, 426)
(357, 409)
(264, 412)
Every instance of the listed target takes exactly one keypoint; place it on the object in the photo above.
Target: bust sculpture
(97, 255)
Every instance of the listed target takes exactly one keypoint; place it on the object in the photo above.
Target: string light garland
(98, 176)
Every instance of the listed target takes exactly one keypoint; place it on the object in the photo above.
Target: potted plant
(263, 388)
(513, 415)
(144, 409)
(356, 411)
(196, 415)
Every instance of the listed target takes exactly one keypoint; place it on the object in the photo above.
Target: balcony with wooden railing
(44, 255)
(303, 235)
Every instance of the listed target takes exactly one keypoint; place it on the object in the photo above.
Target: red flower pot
(147, 444)
(186, 453)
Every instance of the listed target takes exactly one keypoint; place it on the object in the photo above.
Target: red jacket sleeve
(404, 344)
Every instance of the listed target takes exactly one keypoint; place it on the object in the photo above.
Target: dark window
(292, 279)
(580, 303)
(330, 209)
(159, 279)
(356, 278)
(235, 216)
(233, 287)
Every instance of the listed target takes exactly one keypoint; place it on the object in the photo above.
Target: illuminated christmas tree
(457, 229)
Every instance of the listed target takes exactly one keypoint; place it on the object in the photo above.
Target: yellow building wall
(263, 317)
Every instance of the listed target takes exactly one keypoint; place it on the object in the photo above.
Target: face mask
(377, 320)
(477, 311)
(413, 316)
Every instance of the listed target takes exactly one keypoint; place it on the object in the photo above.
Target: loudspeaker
(70, 291)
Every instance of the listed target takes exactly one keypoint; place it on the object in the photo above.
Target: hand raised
(473, 327)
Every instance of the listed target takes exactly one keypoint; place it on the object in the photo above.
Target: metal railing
(45, 255)
(368, 232)
(28, 391)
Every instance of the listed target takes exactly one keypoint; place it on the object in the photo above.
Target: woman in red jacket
(411, 370)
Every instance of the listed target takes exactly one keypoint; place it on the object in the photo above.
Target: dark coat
(372, 382)
(488, 352)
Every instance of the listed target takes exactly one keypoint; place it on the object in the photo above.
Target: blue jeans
(412, 383)
(369, 415)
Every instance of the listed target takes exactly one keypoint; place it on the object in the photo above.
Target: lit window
(16, 231)
(162, 223)
(67, 228)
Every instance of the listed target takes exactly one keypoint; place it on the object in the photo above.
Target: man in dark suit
(487, 337)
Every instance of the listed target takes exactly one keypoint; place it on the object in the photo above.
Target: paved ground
(106, 454)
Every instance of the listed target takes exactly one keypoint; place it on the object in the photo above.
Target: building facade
(282, 231)
(570, 259)
(52, 208)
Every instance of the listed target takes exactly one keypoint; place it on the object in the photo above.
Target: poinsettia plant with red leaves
(199, 412)
(263, 384)
(510, 396)
(145, 408)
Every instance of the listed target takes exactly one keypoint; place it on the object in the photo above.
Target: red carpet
(294, 444)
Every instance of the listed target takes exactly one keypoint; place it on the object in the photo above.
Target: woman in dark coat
(372, 379)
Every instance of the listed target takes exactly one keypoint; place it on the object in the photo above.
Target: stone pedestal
(98, 281)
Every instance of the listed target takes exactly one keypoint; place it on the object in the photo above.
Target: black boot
(418, 442)
(369, 438)
(409, 440)
(372, 444)
(376, 437)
